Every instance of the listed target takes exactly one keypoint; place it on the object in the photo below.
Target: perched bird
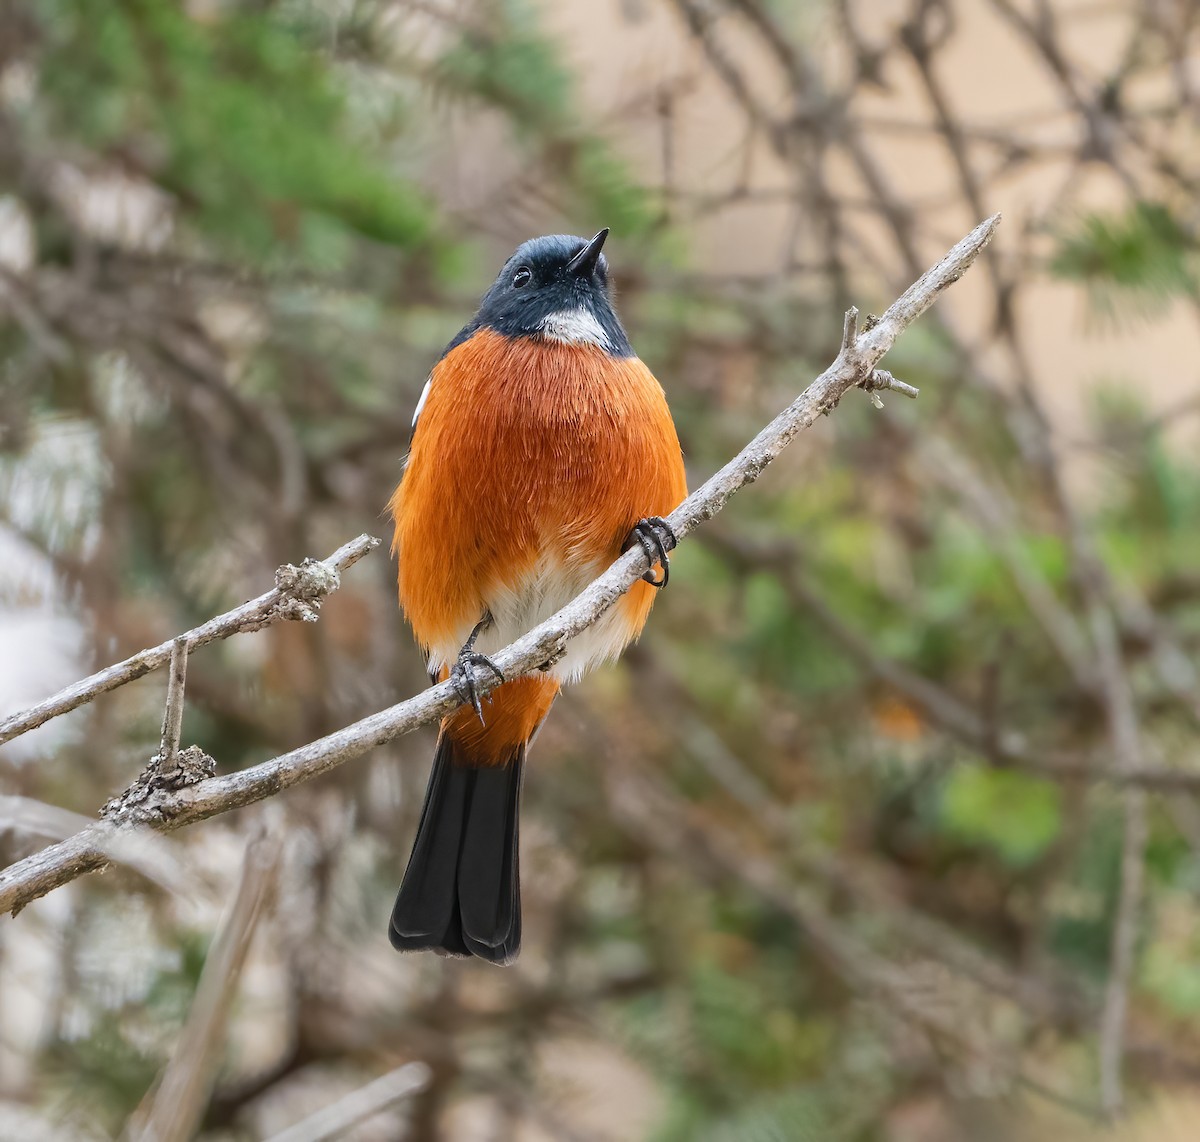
(541, 449)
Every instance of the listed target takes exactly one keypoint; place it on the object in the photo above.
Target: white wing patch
(575, 327)
(421, 402)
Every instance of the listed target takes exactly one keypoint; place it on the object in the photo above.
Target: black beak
(585, 261)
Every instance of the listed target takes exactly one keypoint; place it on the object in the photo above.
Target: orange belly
(531, 463)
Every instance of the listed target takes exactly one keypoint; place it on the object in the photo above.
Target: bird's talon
(656, 538)
(658, 582)
(462, 678)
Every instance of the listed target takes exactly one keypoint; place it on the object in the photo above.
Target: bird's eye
(522, 277)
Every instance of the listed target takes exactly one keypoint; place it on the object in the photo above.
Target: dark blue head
(555, 288)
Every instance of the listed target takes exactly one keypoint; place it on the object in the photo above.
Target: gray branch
(374, 1098)
(297, 594)
(171, 1110)
(164, 810)
(153, 856)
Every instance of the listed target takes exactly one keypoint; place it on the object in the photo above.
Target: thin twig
(1113, 1018)
(173, 714)
(1125, 733)
(38, 874)
(850, 329)
(881, 379)
(359, 1105)
(297, 594)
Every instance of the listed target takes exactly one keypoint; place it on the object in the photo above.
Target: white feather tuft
(421, 402)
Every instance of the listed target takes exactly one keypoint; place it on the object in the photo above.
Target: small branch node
(161, 775)
(880, 379)
(302, 589)
(849, 330)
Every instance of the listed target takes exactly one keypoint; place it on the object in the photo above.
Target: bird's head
(556, 288)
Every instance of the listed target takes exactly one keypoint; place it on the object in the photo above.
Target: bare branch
(171, 1112)
(851, 367)
(153, 856)
(1125, 734)
(340, 1116)
(93, 848)
(297, 594)
(27, 815)
(1121, 955)
(165, 810)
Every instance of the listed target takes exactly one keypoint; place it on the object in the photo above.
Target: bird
(541, 449)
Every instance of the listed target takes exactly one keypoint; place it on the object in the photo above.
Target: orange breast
(527, 451)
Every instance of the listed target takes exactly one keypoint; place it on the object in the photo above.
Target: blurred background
(887, 828)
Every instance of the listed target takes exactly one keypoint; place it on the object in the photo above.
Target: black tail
(462, 891)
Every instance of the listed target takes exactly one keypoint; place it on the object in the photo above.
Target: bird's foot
(462, 677)
(655, 537)
(462, 673)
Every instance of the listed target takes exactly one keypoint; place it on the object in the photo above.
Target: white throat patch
(575, 327)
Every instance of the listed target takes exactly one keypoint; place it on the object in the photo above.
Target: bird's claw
(462, 678)
(655, 537)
